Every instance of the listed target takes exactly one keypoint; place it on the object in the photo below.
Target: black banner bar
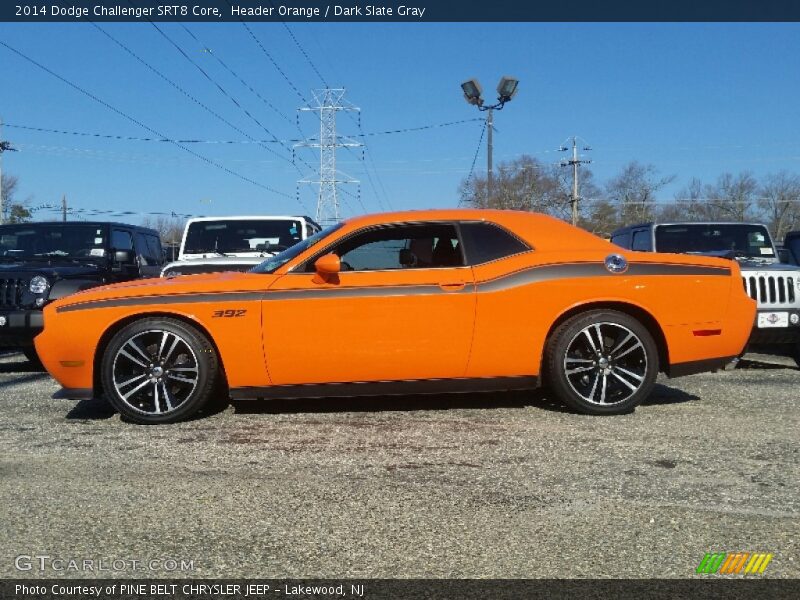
(711, 588)
(413, 11)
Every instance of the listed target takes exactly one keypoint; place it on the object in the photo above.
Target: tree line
(635, 195)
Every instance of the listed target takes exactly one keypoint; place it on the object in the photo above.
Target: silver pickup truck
(774, 285)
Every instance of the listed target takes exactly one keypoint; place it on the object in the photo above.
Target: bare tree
(169, 228)
(732, 197)
(780, 202)
(634, 192)
(521, 184)
(14, 211)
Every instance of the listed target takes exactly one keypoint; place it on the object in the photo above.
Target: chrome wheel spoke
(581, 370)
(155, 397)
(603, 391)
(180, 378)
(132, 358)
(627, 383)
(638, 378)
(636, 346)
(134, 390)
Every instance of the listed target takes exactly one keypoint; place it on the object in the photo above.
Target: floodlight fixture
(507, 88)
(472, 92)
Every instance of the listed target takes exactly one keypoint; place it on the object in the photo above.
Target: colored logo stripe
(733, 562)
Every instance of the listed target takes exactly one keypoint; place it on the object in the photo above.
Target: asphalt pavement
(477, 485)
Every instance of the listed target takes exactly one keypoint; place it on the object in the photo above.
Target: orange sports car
(411, 302)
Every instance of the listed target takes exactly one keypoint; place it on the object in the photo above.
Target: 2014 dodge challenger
(411, 302)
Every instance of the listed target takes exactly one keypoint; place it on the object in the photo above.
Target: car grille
(770, 290)
(11, 292)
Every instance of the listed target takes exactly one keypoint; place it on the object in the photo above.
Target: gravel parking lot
(498, 485)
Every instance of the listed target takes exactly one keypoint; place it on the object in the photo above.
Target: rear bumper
(699, 366)
(19, 327)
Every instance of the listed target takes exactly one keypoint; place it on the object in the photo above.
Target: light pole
(506, 90)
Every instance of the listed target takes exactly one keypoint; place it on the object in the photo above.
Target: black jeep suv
(41, 262)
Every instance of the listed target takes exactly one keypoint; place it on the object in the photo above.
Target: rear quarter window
(485, 242)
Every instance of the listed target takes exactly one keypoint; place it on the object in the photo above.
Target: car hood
(186, 284)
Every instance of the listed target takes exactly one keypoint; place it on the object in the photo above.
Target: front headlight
(39, 285)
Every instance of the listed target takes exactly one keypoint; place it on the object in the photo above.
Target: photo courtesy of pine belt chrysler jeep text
(422, 301)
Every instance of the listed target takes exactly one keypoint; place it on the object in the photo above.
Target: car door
(402, 308)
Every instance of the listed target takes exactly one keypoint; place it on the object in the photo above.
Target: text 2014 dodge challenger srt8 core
(423, 301)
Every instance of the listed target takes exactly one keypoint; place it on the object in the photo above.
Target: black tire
(32, 356)
(796, 354)
(159, 370)
(608, 381)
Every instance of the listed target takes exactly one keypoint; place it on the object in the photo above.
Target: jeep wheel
(601, 362)
(32, 356)
(159, 371)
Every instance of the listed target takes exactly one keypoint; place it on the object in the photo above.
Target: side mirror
(124, 257)
(328, 265)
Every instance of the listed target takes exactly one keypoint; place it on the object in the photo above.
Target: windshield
(34, 240)
(225, 236)
(274, 263)
(746, 241)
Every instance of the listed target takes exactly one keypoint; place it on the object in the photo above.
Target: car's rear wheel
(159, 370)
(601, 362)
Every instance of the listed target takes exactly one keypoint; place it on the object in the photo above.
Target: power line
(302, 50)
(221, 89)
(247, 141)
(477, 150)
(237, 76)
(139, 123)
(272, 60)
(180, 89)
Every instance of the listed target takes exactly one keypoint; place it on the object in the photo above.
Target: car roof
(90, 223)
(541, 231)
(251, 218)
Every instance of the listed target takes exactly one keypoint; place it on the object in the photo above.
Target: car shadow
(540, 398)
(763, 365)
(95, 409)
(23, 366)
(416, 402)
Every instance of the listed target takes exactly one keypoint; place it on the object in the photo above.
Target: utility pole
(328, 103)
(64, 208)
(574, 162)
(489, 150)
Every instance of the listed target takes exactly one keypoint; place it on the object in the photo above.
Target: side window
(149, 253)
(154, 248)
(485, 242)
(121, 240)
(400, 247)
(641, 240)
(623, 240)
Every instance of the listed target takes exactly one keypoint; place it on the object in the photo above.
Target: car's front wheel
(601, 362)
(159, 370)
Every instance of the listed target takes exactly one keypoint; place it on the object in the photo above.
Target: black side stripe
(527, 276)
(542, 273)
(166, 299)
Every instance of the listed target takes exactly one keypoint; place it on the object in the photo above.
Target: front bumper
(783, 334)
(19, 327)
